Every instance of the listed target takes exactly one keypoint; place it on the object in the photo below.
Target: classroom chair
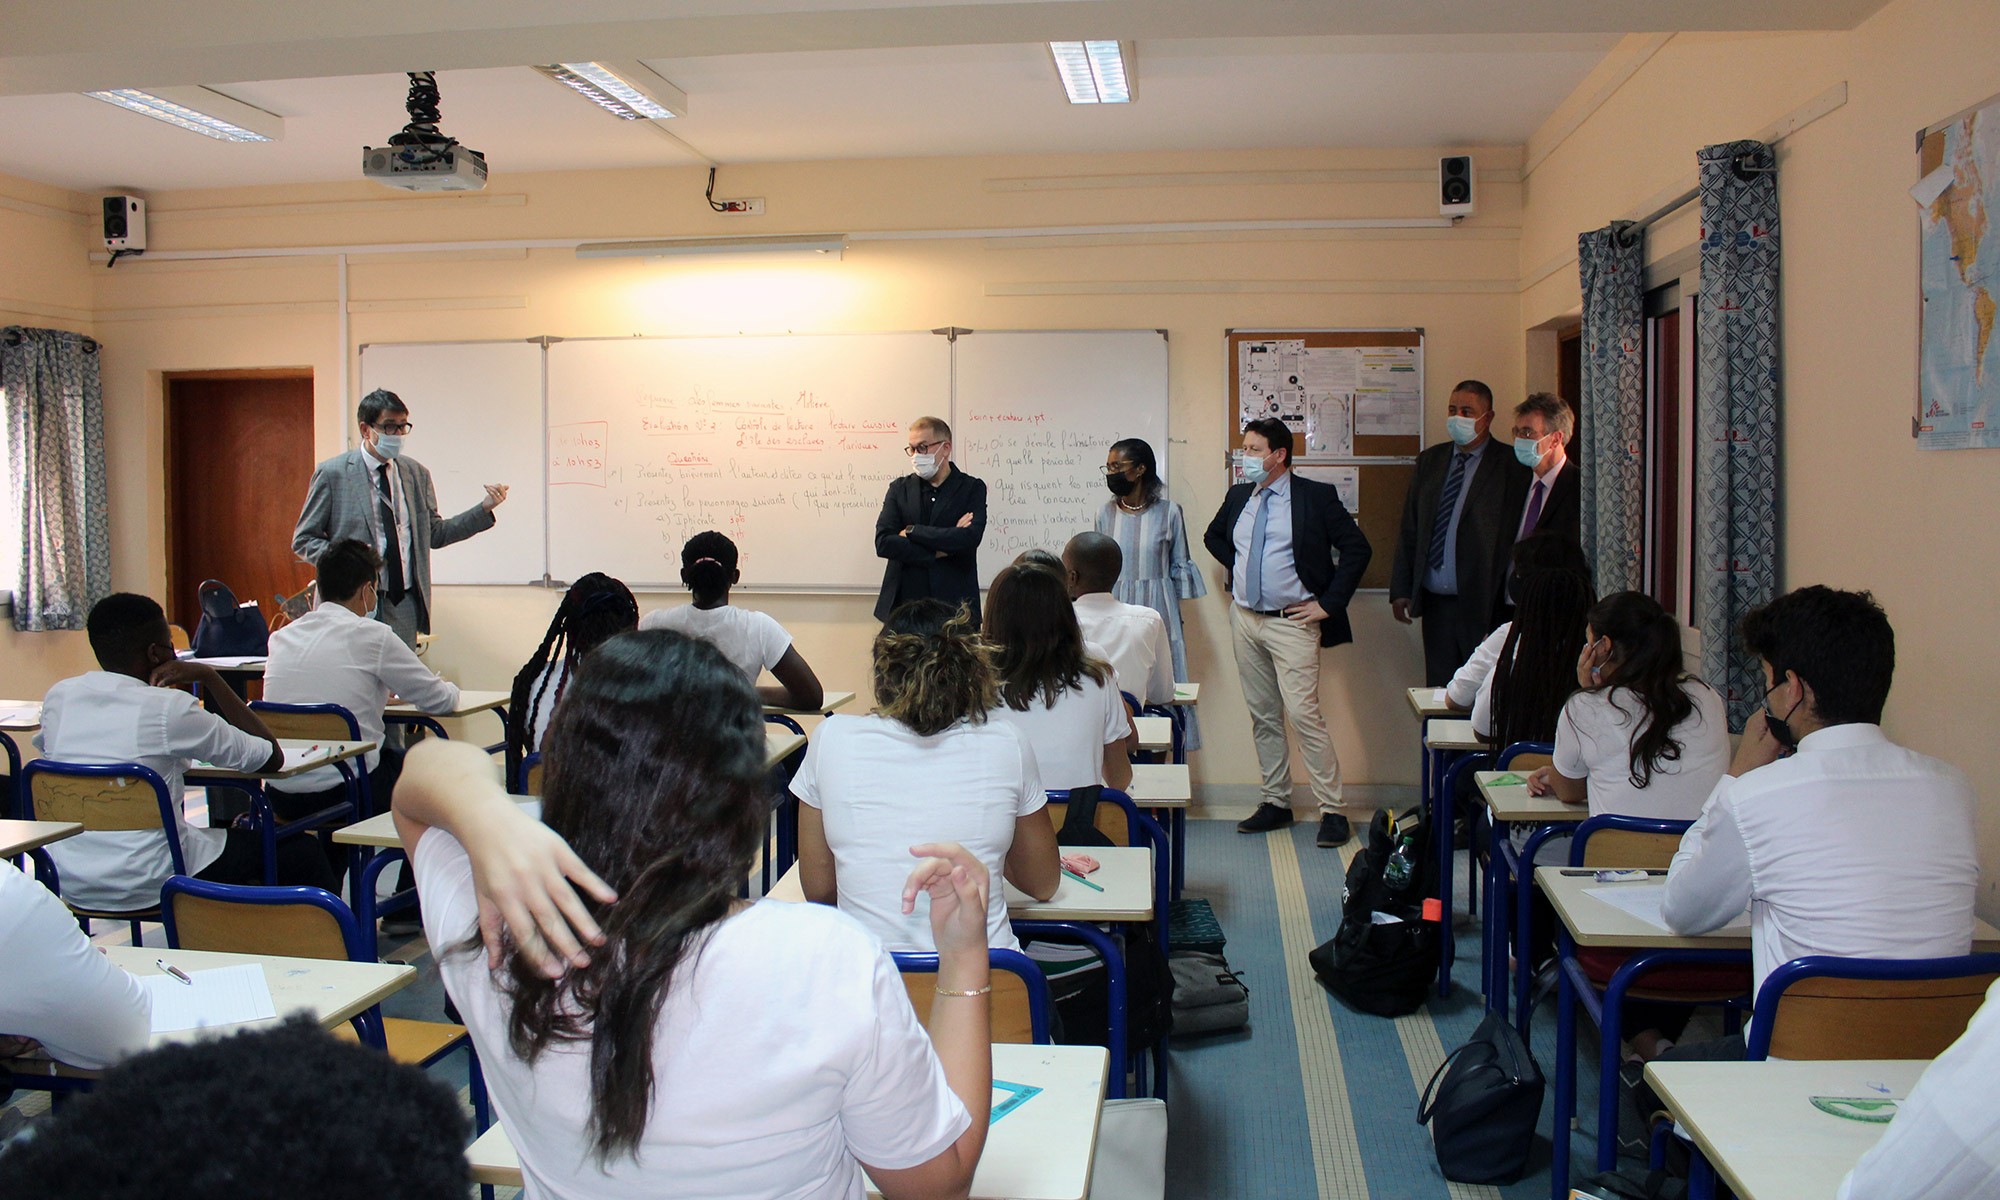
(1822, 1007)
(1503, 877)
(527, 779)
(179, 637)
(306, 922)
(1020, 1000)
(109, 798)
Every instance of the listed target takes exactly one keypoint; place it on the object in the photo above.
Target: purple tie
(1534, 509)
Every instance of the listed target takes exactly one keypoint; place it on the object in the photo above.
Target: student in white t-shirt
(1640, 737)
(754, 641)
(595, 608)
(58, 992)
(1057, 690)
(645, 1033)
(1133, 636)
(926, 764)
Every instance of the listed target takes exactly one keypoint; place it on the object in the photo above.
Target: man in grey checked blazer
(364, 492)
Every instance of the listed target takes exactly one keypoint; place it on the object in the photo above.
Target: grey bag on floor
(1208, 996)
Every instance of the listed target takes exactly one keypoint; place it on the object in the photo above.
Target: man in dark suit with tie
(1451, 554)
(1549, 496)
(931, 523)
(1295, 557)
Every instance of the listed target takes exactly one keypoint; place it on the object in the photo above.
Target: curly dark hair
(931, 669)
(285, 1110)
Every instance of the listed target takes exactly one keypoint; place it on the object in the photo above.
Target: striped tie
(1454, 482)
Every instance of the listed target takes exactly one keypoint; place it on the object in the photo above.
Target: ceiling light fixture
(628, 90)
(819, 243)
(199, 110)
(1094, 72)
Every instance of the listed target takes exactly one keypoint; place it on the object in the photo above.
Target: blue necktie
(1454, 481)
(1256, 563)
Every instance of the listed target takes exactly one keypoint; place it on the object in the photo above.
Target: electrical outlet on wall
(751, 207)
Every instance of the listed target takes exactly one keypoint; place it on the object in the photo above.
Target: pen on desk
(174, 971)
(1080, 879)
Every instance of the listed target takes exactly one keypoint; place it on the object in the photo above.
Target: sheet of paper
(1643, 900)
(295, 759)
(1330, 424)
(1931, 186)
(222, 996)
(1388, 414)
(1346, 480)
(227, 662)
(20, 714)
(1332, 368)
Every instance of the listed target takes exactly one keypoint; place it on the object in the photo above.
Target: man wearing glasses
(377, 496)
(931, 523)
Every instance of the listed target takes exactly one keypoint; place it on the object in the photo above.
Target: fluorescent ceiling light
(199, 110)
(1094, 72)
(629, 90)
(820, 243)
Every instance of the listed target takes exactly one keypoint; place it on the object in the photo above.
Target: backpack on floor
(1482, 1104)
(1383, 958)
(1208, 996)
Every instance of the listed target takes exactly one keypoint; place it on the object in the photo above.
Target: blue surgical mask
(1461, 429)
(1525, 451)
(1254, 469)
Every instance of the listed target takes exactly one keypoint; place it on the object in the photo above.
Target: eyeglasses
(394, 428)
(925, 447)
(1119, 468)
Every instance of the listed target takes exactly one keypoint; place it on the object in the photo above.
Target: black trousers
(1449, 638)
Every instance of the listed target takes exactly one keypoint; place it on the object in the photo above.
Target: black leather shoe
(1265, 819)
(1333, 831)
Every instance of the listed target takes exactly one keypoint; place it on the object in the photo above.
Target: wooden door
(239, 457)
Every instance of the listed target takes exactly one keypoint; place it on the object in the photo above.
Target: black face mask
(1119, 485)
(1780, 727)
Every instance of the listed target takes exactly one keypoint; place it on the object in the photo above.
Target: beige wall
(1459, 284)
(1862, 508)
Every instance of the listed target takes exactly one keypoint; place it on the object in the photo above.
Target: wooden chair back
(101, 804)
(533, 779)
(1833, 1018)
(1630, 848)
(283, 930)
(317, 727)
(180, 638)
(1109, 819)
(1521, 764)
(1012, 1020)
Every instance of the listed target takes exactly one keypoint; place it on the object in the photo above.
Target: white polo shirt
(1594, 743)
(1069, 736)
(57, 988)
(1134, 637)
(752, 640)
(333, 656)
(1853, 846)
(105, 718)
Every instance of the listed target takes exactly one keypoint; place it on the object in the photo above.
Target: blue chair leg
(1565, 1078)
(1701, 1177)
(1441, 833)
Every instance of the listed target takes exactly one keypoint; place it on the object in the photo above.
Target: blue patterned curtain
(55, 470)
(1612, 262)
(1736, 412)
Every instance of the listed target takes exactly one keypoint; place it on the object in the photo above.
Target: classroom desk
(1445, 740)
(1185, 695)
(1162, 785)
(469, 702)
(327, 754)
(1428, 702)
(19, 837)
(830, 703)
(1756, 1125)
(1588, 921)
(18, 718)
(1155, 733)
(1506, 805)
(1042, 1150)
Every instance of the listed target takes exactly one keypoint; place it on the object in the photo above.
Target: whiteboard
(786, 444)
(477, 409)
(1036, 414)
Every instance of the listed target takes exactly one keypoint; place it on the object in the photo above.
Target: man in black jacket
(931, 523)
(1295, 557)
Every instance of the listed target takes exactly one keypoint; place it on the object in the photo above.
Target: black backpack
(1384, 957)
(1482, 1104)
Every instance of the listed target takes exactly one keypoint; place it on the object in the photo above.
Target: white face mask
(925, 465)
(388, 445)
(1462, 429)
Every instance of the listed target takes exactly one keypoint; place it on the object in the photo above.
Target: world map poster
(1959, 374)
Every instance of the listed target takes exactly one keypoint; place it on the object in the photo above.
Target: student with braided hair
(753, 641)
(926, 765)
(595, 608)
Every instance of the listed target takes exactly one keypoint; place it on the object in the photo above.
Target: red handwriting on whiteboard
(578, 454)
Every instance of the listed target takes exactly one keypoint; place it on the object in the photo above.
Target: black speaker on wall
(1455, 185)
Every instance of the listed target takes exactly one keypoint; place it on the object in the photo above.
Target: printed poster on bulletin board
(1327, 394)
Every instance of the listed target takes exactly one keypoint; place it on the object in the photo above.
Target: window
(1670, 445)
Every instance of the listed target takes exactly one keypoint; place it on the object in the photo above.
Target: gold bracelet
(974, 992)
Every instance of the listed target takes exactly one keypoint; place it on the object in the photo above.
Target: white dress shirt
(1945, 1141)
(331, 655)
(105, 718)
(1853, 846)
(57, 988)
(398, 501)
(1134, 638)
(1475, 678)
(1282, 587)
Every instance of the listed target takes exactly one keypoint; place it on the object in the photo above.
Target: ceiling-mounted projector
(421, 159)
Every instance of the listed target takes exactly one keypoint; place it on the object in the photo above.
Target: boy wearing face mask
(1550, 496)
(1798, 829)
(930, 527)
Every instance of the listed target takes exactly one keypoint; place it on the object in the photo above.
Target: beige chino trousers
(1278, 659)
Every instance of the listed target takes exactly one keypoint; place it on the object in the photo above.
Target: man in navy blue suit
(1295, 557)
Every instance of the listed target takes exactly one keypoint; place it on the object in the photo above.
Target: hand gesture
(1758, 748)
(181, 672)
(957, 884)
(965, 522)
(1306, 611)
(496, 495)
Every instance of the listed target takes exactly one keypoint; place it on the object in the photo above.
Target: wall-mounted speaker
(124, 223)
(1455, 185)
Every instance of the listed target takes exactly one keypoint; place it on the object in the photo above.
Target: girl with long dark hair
(643, 1032)
(595, 608)
(1062, 698)
(754, 641)
(1536, 670)
(1151, 533)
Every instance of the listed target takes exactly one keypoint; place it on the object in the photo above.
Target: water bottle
(1396, 872)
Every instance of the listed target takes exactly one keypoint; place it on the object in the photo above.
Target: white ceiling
(806, 79)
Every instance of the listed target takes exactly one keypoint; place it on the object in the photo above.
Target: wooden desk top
(1040, 1151)
(1161, 785)
(327, 754)
(20, 716)
(1511, 802)
(19, 837)
(830, 702)
(1126, 875)
(1428, 702)
(1756, 1122)
(332, 990)
(1155, 733)
(1185, 694)
(469, 702)
(1453, 735)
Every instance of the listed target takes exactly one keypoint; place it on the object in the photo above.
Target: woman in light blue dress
(1152, 535)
